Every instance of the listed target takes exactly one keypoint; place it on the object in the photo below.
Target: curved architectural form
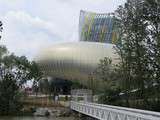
(97, 27)
(74, 61)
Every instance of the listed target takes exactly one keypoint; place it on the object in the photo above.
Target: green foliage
(131, 48)
(14, 72)
(9, 94)
(3, 51)
(110, 97)
(138, 46)
(106, 74)
(77, 85)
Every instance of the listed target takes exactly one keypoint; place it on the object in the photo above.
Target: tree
(152, 17)
(106, 73)
(14, 72)
(1, 28)
(9, 94)
(132, 45)
(36, 73)
(139, 46)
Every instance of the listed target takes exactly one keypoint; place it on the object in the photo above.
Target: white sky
(31, 24)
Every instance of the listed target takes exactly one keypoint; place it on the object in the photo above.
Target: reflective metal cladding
(97, 27)
(74, 61)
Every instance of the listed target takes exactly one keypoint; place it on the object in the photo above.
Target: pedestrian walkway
(108, 112)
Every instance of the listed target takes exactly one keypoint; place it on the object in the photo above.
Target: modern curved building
(97, 27)
(74, 61)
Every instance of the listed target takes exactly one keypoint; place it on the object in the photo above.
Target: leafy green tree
(151, 15)
(132, 45)
(139, 47)
(14, 72)
(9, 94)
(106, 73)
(36, 74)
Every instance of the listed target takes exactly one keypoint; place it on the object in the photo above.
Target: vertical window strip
(107, 27)
(114, 34)
(90, 24)
(84, 27)
(98, 30)
(110, 30)
(104, 29)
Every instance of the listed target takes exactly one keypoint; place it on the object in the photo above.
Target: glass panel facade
(97, 27)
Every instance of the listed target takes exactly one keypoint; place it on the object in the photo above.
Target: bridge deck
(108, 112)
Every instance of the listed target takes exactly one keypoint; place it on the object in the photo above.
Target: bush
(9, 96)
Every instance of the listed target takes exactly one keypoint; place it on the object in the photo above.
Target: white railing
(108, 112)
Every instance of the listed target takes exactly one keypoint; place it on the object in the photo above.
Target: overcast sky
(31, 24)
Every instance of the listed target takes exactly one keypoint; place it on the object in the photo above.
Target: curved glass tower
(97, 27)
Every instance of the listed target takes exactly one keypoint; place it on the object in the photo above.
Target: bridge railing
(108, 112)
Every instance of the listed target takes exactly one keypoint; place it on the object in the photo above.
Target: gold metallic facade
(74, 61)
